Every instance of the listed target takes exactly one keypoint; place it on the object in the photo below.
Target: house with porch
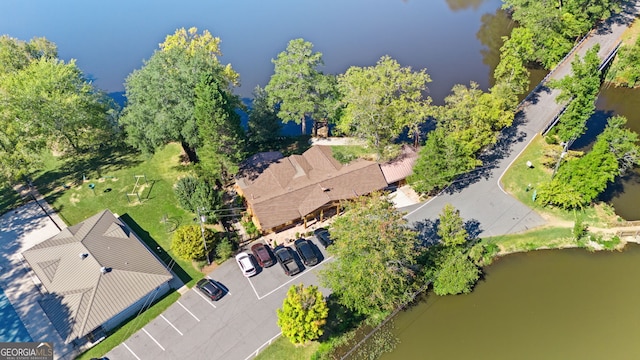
(281, 192)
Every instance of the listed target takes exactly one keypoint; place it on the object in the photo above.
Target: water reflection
(457, 5)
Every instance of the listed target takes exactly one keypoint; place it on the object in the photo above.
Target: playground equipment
(136, 188)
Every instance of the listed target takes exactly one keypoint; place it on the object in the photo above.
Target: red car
(261, 253)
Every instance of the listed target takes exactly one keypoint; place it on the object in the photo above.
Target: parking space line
(187, 310)
(131, 351)
(255, 353)
(169, 322)
(152, 338)
(206, 299)
(254, 289)
(290, 280)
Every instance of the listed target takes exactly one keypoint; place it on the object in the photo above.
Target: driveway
(20, 229)
(235, 327)
(479, 195)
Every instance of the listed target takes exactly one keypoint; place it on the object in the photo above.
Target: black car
(305, 251)
(210, 289)
(322, 235)
(287, 261)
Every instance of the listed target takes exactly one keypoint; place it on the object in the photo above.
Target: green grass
(153, 218)
(9, 199)
(130, 328)
(283, 349)
(517, 178)
(548, 237)
(347, 153)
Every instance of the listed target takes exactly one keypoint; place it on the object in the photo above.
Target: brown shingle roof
(81, 297)
(300, 184)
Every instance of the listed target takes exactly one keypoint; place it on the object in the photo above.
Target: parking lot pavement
(234, 327)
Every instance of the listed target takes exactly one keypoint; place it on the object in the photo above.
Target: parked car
(261, 253)
(323, 236)
(305, 251)
(287, 261)
(246, 264)
(210, 289)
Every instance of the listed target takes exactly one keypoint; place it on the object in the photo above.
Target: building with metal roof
(94, 275)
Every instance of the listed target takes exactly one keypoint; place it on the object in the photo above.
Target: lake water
(550, 304)
(542, 305)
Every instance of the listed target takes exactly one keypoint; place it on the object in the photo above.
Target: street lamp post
(202, 219)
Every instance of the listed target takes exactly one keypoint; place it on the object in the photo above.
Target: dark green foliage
(161, 95)
(221, 137)
(196, 193)
(579, 229)
(451, 227)
(224, 250)
(264, 124)
(440, 161)
(580, 90)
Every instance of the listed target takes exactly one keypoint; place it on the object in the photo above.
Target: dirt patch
(209, 268)
(74, 199)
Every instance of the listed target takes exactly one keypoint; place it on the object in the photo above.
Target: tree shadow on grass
(76, 167)
(156, 248)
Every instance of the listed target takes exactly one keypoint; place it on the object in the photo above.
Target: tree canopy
(187, 242)
(264, 124)
(579, 181)
(380, 101)
(303, 314)
(161, 96)
(375, 257)
(46, 103)
(298, 88)
(579, 90)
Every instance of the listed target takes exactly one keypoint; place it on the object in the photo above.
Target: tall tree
(511, 74)
(579, 90)
(380, 101)
(451, 227)
(264, 124)
(440, 161)
(219, 130)
(457, 274)
(298, 88)
(375, 256)
(303, 314)
(161, 95)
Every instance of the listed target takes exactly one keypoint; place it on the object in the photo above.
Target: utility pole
(202, 219)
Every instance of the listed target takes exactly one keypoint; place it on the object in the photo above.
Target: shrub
(193, 193)
(224, 250)
(251, 229)
(187, 242)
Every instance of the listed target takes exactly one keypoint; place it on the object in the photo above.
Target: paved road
(234, 327)
(478, 195)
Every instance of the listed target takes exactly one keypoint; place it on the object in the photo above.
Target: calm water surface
(554, 304)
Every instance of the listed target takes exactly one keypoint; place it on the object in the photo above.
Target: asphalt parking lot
(242, 322)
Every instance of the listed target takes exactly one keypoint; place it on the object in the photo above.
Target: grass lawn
(547, 237)
(153, 218)
(517, 178)
(347, 153)
(130, 328)
(9, 199)
(283, 349)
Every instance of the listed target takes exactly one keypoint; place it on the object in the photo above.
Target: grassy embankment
(616, 75)
(521, 182)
